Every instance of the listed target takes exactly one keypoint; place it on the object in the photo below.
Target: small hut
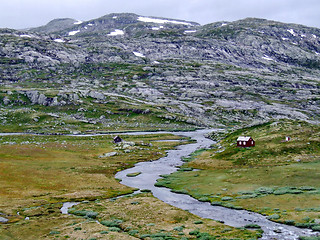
(117, 139)
(245, 142)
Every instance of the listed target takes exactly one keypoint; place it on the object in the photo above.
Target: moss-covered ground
(278, 178)
(132, 217)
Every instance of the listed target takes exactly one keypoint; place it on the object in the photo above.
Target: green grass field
(276, 178)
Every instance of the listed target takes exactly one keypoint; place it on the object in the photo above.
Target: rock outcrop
(221, 72)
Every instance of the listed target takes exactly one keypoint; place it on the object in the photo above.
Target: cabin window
(252, 142)
(240, 143)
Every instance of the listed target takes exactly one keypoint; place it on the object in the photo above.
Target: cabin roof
(242, 138)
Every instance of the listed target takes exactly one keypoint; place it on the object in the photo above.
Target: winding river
(151, 171)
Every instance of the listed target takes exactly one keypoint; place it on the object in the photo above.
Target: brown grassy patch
(39, 169)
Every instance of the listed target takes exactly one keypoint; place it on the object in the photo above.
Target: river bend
(151, 171)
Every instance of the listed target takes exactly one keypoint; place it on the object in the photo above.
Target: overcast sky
(20, 14)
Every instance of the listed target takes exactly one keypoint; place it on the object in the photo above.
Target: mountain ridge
(219, 74)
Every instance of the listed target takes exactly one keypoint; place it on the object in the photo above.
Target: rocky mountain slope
(220, 74)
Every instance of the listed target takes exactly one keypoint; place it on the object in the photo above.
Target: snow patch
(190, 31)
(291, 31)
(115, 17)
(116, 32)
(72, 33)
(58, 40)
(285, 39)
(139, 54)
(267, 58)
(78, 22)
(161, 21)
(303, 35)
(156, 62)
(25, 36)
(314, 36)
(157, 28)
(90, 25)
(223, 24)
(317, 53)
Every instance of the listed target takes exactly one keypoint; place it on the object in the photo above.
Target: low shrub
(226, 198)
(181, 191)
(194, 232)
(252, 226)
(81, 213)
(114, 229)
(303, 225)
(143, 236)
(230, 205)
(247, 196)
(200, 235)
(264, 190)
(198, 222)
(289, 222)
(133, 232)
(204, 199)
(287, 190)
(92, 214)
(307, 188)
(110, 223)
(54, 232)
(162, 183)
(316, 228)
(84, 213)
(273, 217)
(178, 229)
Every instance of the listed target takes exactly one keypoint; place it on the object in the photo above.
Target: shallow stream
(151, 171)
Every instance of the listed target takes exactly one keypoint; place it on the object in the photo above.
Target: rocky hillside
(220, 74)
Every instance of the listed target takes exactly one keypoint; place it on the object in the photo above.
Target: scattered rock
(3, 220)
(110, 154)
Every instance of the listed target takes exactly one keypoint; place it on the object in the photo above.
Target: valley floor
(38, 173)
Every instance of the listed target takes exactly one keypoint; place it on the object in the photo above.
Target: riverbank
(276, 178)
(168, 220)
(44, 171)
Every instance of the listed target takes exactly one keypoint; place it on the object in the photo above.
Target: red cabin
(245, 142)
